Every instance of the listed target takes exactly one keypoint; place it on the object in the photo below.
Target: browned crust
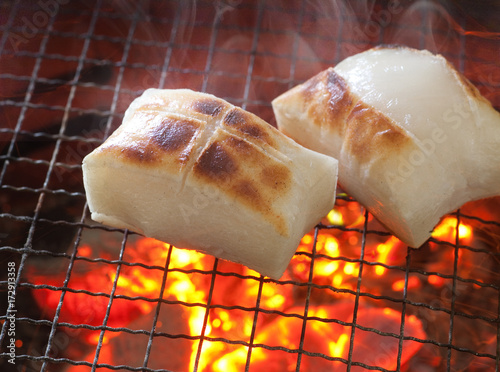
(170, 140)
(333, 108)
(216, 163)
(370, 134)
(174, 135)
(340, 100)
(249, 126)
(209, 106)
(328, 101)
(245, 173)
(235, 160)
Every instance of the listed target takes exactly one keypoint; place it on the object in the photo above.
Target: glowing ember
(413, 283)
(329, 325)
(335, 217)
(383, 252)
(447, 231)
(328, 340)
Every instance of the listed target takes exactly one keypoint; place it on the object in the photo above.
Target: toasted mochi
(193, 170)
(414, 138)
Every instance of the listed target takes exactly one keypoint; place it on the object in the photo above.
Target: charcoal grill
(68, 71)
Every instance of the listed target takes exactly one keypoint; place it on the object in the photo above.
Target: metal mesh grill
(68, 71)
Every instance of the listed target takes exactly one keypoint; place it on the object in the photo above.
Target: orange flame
(325, 338)
(184, 284)
(447, 231)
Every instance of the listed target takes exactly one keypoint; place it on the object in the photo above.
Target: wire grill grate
(69, 71)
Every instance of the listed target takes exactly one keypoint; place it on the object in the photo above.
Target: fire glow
(329, 325)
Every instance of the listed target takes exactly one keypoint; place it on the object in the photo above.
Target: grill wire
(49, 47)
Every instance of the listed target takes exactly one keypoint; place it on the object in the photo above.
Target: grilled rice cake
(414, 138)
(192, 170)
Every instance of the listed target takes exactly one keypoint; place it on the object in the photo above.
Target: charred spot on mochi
(251, 193)
(246, 174)
(270, 173)
(371, 134)
(208, 106)
(174, 135)
(248, 124)
(329, 100)
(240, 145)
(166, 140)
(310, 88)
(248, 190)
(340, 102)
(277, 177)
(139, 152)
(215, 162)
